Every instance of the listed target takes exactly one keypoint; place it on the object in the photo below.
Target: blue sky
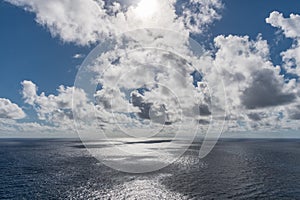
(29, 51)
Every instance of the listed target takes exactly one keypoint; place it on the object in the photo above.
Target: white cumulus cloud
(10, 110)
(88, 21)
(55, 109)
(291, 29)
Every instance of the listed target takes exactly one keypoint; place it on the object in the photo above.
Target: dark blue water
(235, 169)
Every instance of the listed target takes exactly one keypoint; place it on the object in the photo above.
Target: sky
(252, 46)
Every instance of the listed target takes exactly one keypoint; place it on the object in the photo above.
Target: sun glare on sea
(146, 8)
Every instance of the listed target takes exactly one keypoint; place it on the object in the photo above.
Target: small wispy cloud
(78, 55)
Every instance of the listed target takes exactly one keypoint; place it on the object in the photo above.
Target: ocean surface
(235, 169)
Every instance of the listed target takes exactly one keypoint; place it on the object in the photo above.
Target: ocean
(235, 169)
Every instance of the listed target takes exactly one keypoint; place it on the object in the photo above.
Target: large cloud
(151, 84)
(291, 29)
(10, 110)
(290, 26)
(266, 90)
(250, 78)
(257, 94)
(55, 109)
(80, 21)
(88, 21)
